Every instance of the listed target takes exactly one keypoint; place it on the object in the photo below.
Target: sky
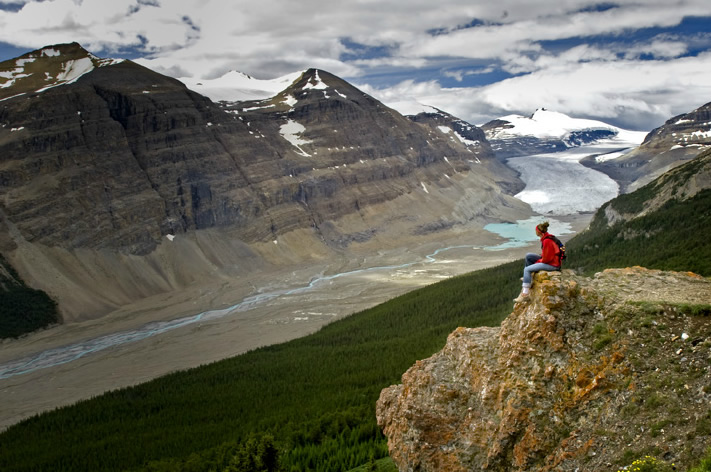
(631, 63)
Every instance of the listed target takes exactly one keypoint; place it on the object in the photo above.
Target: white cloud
(270, 38)
(279, 36)
(96, 24)
(521, 38)
(631, 94)
(659, 48)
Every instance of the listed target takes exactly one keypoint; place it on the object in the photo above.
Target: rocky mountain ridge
(681, 183)
(46, 68)
(589, 374)
(118, 183)
(680, 139)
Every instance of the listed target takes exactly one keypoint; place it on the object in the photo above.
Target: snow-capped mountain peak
(551, 131)
(46, 68)
(548, 124)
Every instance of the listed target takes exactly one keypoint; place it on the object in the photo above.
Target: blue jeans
(532, 266)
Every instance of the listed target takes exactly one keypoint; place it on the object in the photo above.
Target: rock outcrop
(589, 374)
(117, 182)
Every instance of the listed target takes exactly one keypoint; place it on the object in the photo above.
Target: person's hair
(543, 227)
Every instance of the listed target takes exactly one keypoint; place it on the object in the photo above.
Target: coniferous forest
(309, 404)
(22, 309)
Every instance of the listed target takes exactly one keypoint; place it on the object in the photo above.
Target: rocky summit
(118, 183)
(588, 374)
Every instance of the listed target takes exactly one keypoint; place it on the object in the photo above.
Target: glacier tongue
(558, 184)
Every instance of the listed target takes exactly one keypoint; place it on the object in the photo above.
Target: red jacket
(550, 251)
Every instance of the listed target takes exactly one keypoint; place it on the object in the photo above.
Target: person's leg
(531, 259)
(529, 270)
(528, 276)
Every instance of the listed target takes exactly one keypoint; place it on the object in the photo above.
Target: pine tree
(371, 466)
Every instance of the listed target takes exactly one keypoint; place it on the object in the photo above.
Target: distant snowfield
(236, 86)
(550, 124)
(411, 107)
(557, 184)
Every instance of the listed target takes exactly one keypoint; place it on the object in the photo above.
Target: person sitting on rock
(548, 260)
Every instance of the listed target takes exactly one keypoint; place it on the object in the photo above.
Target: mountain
(548, 131)
(471, 136)
(46, 68)
(681, 138)
(120, 183)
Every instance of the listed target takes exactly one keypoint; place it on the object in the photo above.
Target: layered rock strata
(117, 182)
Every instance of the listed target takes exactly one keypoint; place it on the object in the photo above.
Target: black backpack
(561, 246)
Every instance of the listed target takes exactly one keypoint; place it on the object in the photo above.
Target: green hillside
(314, 395)
(676, 237)
(311, 401)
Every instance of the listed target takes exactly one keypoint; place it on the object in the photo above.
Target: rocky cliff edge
(588, 374)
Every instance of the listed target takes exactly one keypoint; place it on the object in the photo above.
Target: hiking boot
(521, 298)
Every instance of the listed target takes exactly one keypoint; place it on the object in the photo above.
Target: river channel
(518, 234)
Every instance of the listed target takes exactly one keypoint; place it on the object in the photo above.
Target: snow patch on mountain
(12, 76)
(291, 131)
(290, 100)
(73, 70)
(50, 52)
(315, 83)
(236, 86)
(462, 139)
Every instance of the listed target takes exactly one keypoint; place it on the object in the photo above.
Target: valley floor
(286, 307)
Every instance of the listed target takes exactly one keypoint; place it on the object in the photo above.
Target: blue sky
(633, 63)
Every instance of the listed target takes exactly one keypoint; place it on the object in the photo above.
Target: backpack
(561, 247)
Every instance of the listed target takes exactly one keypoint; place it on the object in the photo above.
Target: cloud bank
(631, 63)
